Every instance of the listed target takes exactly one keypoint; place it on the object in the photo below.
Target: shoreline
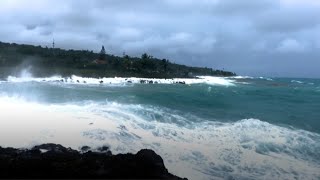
(211, 80)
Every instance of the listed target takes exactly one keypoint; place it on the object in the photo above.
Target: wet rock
(123, 128)
(53, 148)
(150, 82)
(142, 81)
(105, 149)
(61, 162)
(85, 148)
(100, 82)
(129, 81)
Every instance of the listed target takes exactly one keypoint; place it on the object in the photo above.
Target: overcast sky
(249, 37)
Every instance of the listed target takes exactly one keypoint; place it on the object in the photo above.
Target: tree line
(46, 61)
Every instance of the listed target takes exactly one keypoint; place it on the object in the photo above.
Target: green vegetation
(44, 61)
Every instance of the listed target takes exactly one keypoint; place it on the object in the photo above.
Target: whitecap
(242, 77)
(248, 148)
(295, 81)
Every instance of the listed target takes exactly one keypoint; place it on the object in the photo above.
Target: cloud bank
(250, 37)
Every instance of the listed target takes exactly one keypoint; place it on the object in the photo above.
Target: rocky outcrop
(56, 161)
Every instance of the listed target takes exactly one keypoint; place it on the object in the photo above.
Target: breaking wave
(123, 81)
(190, 146)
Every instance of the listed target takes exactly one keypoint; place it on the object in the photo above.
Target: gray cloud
(243, 8)
(265, 37)
(289, 19)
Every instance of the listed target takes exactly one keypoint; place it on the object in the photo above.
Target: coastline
(43, 61)
(211, 80)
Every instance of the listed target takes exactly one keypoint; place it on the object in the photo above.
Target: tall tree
(165, 64)
(102, 55)
(144, 56)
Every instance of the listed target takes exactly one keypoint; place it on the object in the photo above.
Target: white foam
(33, 79)
(249, 77)
(212, 80)
(295, 81)
(122, 81)
(242, 77)
(43, 150)
(206, 150)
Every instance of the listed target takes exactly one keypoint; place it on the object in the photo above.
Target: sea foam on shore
(120, 80)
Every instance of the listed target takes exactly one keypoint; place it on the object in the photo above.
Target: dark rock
(129, 81)
(61, 162)
(53, 148)
(78, 81)
(123, 128)
(105, 149)
(101, 82)
(85, 148)
(142, 81)
(150, 82)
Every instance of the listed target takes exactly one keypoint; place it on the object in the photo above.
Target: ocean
(207, 128)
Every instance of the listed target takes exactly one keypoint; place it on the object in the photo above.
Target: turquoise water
(268, 118)
(285, 102)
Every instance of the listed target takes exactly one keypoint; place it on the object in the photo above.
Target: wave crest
(197, 149)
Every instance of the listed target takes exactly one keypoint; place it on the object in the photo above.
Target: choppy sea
(205, 128)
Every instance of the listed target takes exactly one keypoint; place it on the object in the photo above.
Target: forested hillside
(44, 61)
